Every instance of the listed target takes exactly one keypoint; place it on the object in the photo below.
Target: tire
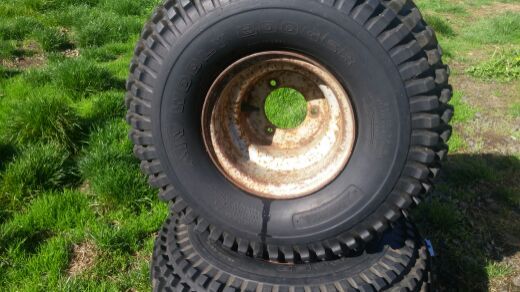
(382, 53)
(186, 260)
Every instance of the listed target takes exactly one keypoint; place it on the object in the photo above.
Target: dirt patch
(24, 62)
(83, 257)
(28, 55)
(495, 8)
(491, 130)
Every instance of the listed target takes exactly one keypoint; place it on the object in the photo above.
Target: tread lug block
(139, 106)
(258, 249)
(446, 135)
(128, 101)
(380, 226)
(229, 241)
(363, 11)
(189, 216)
(425, 37)
(179, 206)
(425, 121)
(346, 6)
(145, 152)
(167, 194)
(410, 186)
(392, 37)
(416, 170)
(434, 172)
(396, 5)
(434, 56)
(378, 24)
(288, 254)
(366, 235)
(184, 257)
(441, 76)
(414, 68)
(412, 19)
(404, 52)
(425, 138)
(421, 154)
(350, 242)
(319, 250)
(158, 181)
(446, 95)
(392, 215)
(243, 246)
(442, 154)
(141, 137)
(401, 200)
(202, 225)
(448, 113)
(215, 234)
(139, 122)
(273, 253)
(420, 86)
(151, 167)
(303, 252)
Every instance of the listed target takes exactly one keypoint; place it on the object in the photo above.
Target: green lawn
(76, 214)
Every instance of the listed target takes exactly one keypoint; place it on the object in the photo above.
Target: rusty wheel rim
(262, 159)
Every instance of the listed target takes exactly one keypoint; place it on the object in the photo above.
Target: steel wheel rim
(262, 159)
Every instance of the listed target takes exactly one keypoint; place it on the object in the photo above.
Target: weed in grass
(53, 39)
(81, 77)
(502, 66)
(39, 167)
(45, 115)
(110, 167)
(495, 270)
(501, 29)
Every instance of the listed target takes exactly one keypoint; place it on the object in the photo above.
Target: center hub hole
(286, 108)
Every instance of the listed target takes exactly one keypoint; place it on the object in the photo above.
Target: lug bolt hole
(315, 111)
(269, 130)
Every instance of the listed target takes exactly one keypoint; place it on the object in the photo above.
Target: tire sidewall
(337, 42)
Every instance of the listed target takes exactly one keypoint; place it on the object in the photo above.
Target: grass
(286, 108)
(76, 214)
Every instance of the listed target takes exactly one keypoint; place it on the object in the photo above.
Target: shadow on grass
(7, 153)
(473, 221)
